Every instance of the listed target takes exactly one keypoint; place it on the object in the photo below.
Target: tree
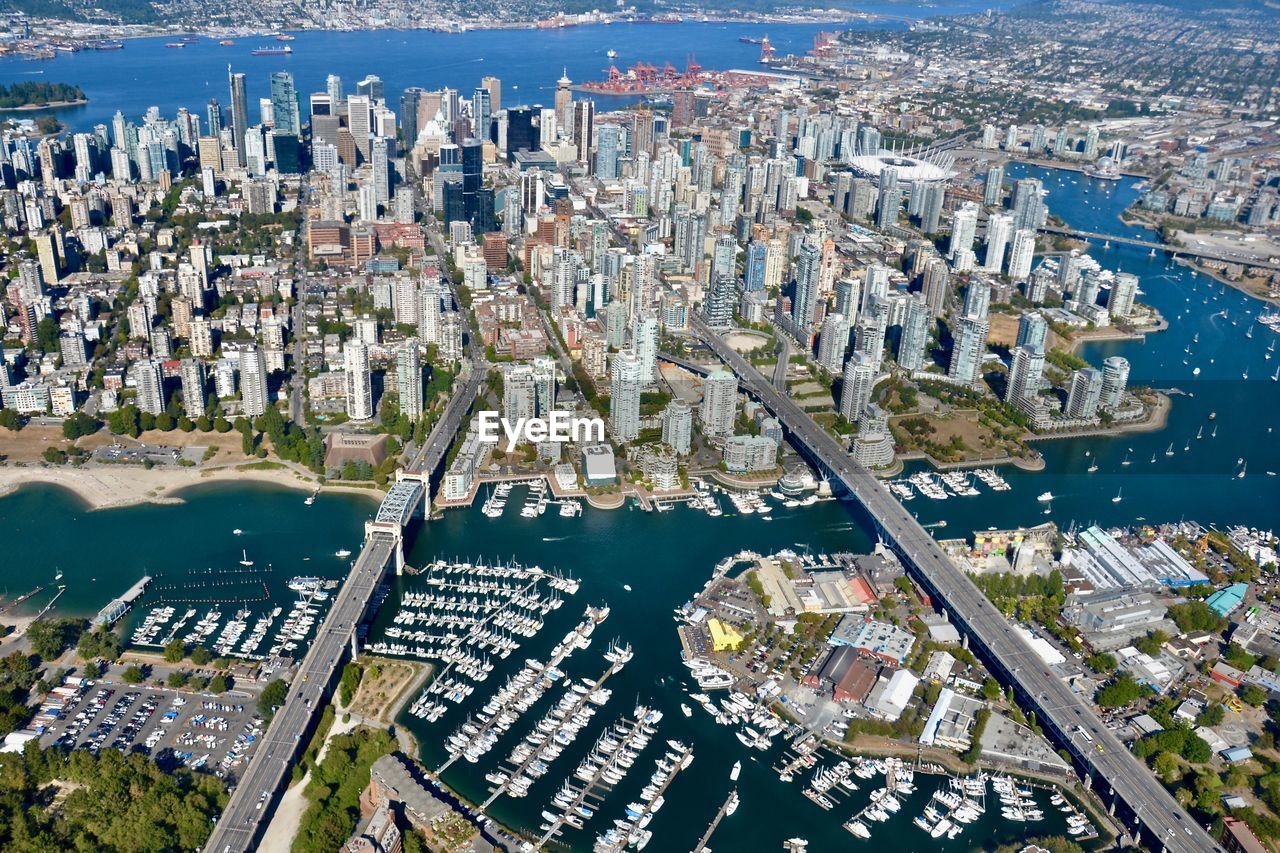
(91, 670)
(218, 684)
(79, 424)
(200, 656)
(1121, 691)
(102, 643)
(1167, 767)
(178, 679)
(272, 697)
(174, 651)
(1196, 750)
(1252, 694)
(1102, 662)
(50, 637)
(990, 690)
(134, 675)
(11, 420)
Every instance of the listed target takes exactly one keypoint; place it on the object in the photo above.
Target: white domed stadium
(929, 167)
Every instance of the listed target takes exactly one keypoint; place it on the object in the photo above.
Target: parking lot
(138, 454)
(214, 734)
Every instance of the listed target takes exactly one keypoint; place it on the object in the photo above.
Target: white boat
(733, 804)
(342, 553)
(737, 769)
(244, 558)
(1045, 497)
(1118, 496)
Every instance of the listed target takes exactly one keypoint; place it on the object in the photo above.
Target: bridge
(1176, 251)
(252, 800)
(1069, 718)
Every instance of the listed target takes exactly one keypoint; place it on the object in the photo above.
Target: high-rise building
(519, 393)
(977, 299)
(1115, 379)
(1084, 393)
(993, 192)
(890, 198)
(1029, 210)
(544, 385)
(855, 391)
(150, 385)
(937, 286)
(717, 307)
(584, 120)
(646, 344)
(969, 346)
(355, 357)
(1033, 330)
(253, 381)
(472, 182)
(806, 289)
(608, 146)
(193, 387)
(719, 409)
(286, 111)
(964, 227)
(1022, 254)
(1124, 290)
(915, 335)
(1025, 368)
(677, 426)
(999, 229)
(410, 104)
(833, 342)
(359, 122)
(372, 88)
(494, 85)
(409, 380)
(564, 103)
(239, 113)
(626, 383)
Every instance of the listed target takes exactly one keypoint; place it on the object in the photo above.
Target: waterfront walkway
(1065, 715)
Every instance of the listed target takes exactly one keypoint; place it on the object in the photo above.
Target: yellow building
(723, 637)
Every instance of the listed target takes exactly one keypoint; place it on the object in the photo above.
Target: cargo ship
(272, 51)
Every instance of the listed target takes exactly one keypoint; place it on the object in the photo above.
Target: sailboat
(58, 575)
(1275, 377)
(1214, 434)
(1153, 459)
(1243, 468)
(1126, 456)
(1093, 467)
(244, 558)
(1200, 433)
(1118, 498)
(1169, 450)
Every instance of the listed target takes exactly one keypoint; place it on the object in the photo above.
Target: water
(109, 550)
(528, 62)
(1196, 484)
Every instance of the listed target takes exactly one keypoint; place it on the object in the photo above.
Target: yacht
(734, 773)
(1046, 497)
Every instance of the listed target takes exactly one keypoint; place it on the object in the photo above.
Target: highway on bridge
(1056, 705)
(285, 739)
(1206, 254)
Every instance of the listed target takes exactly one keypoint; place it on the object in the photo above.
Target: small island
(34, 96)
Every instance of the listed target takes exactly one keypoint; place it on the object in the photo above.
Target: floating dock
(119, 606)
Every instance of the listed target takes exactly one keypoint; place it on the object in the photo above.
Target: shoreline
(51, 105)
(116, 487)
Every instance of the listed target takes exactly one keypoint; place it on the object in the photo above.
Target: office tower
(806, 289)
(409, 380)
(410, 103)
(472, 181)
(285, 110)
(1124, 290)
(936, 287)
(372, 88)
(993, 192)
(253, 382)
(1033, 330)
(1028, 206)
(584, 122)
(213, 118)
(355, 357)
(494, 86)
(521, 132)
(1022, 254)
(719, 410)
(969, 346)
(564, 104)
(964, 227)
(1115, 377)
(481, 112)
(381, 168)
(193, 387)
(147, 378)
(855, 391)
(333, 86)
(833, 342)
(358, 122)
(239, 113)
(626, 383)
(677, 426)
(608, 144)
(890, 198)
(915, 335)
(1025, 369)
(1084, 393)
(999, 229)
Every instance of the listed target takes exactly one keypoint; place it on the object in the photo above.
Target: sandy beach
(112, 486)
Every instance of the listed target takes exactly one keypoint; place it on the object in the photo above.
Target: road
(1057, 707)
(264, 777)
(1206, 254)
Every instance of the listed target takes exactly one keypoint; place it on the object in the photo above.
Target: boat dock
(518, 770)
(20, 599)
(595, 786)
(52, 601)
(119, 606)
(715, 822)
(633, 826)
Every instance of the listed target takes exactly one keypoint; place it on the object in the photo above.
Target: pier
(20, 599)
(715, 822)
(119, 606)
(568, 715)
(596, 787)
